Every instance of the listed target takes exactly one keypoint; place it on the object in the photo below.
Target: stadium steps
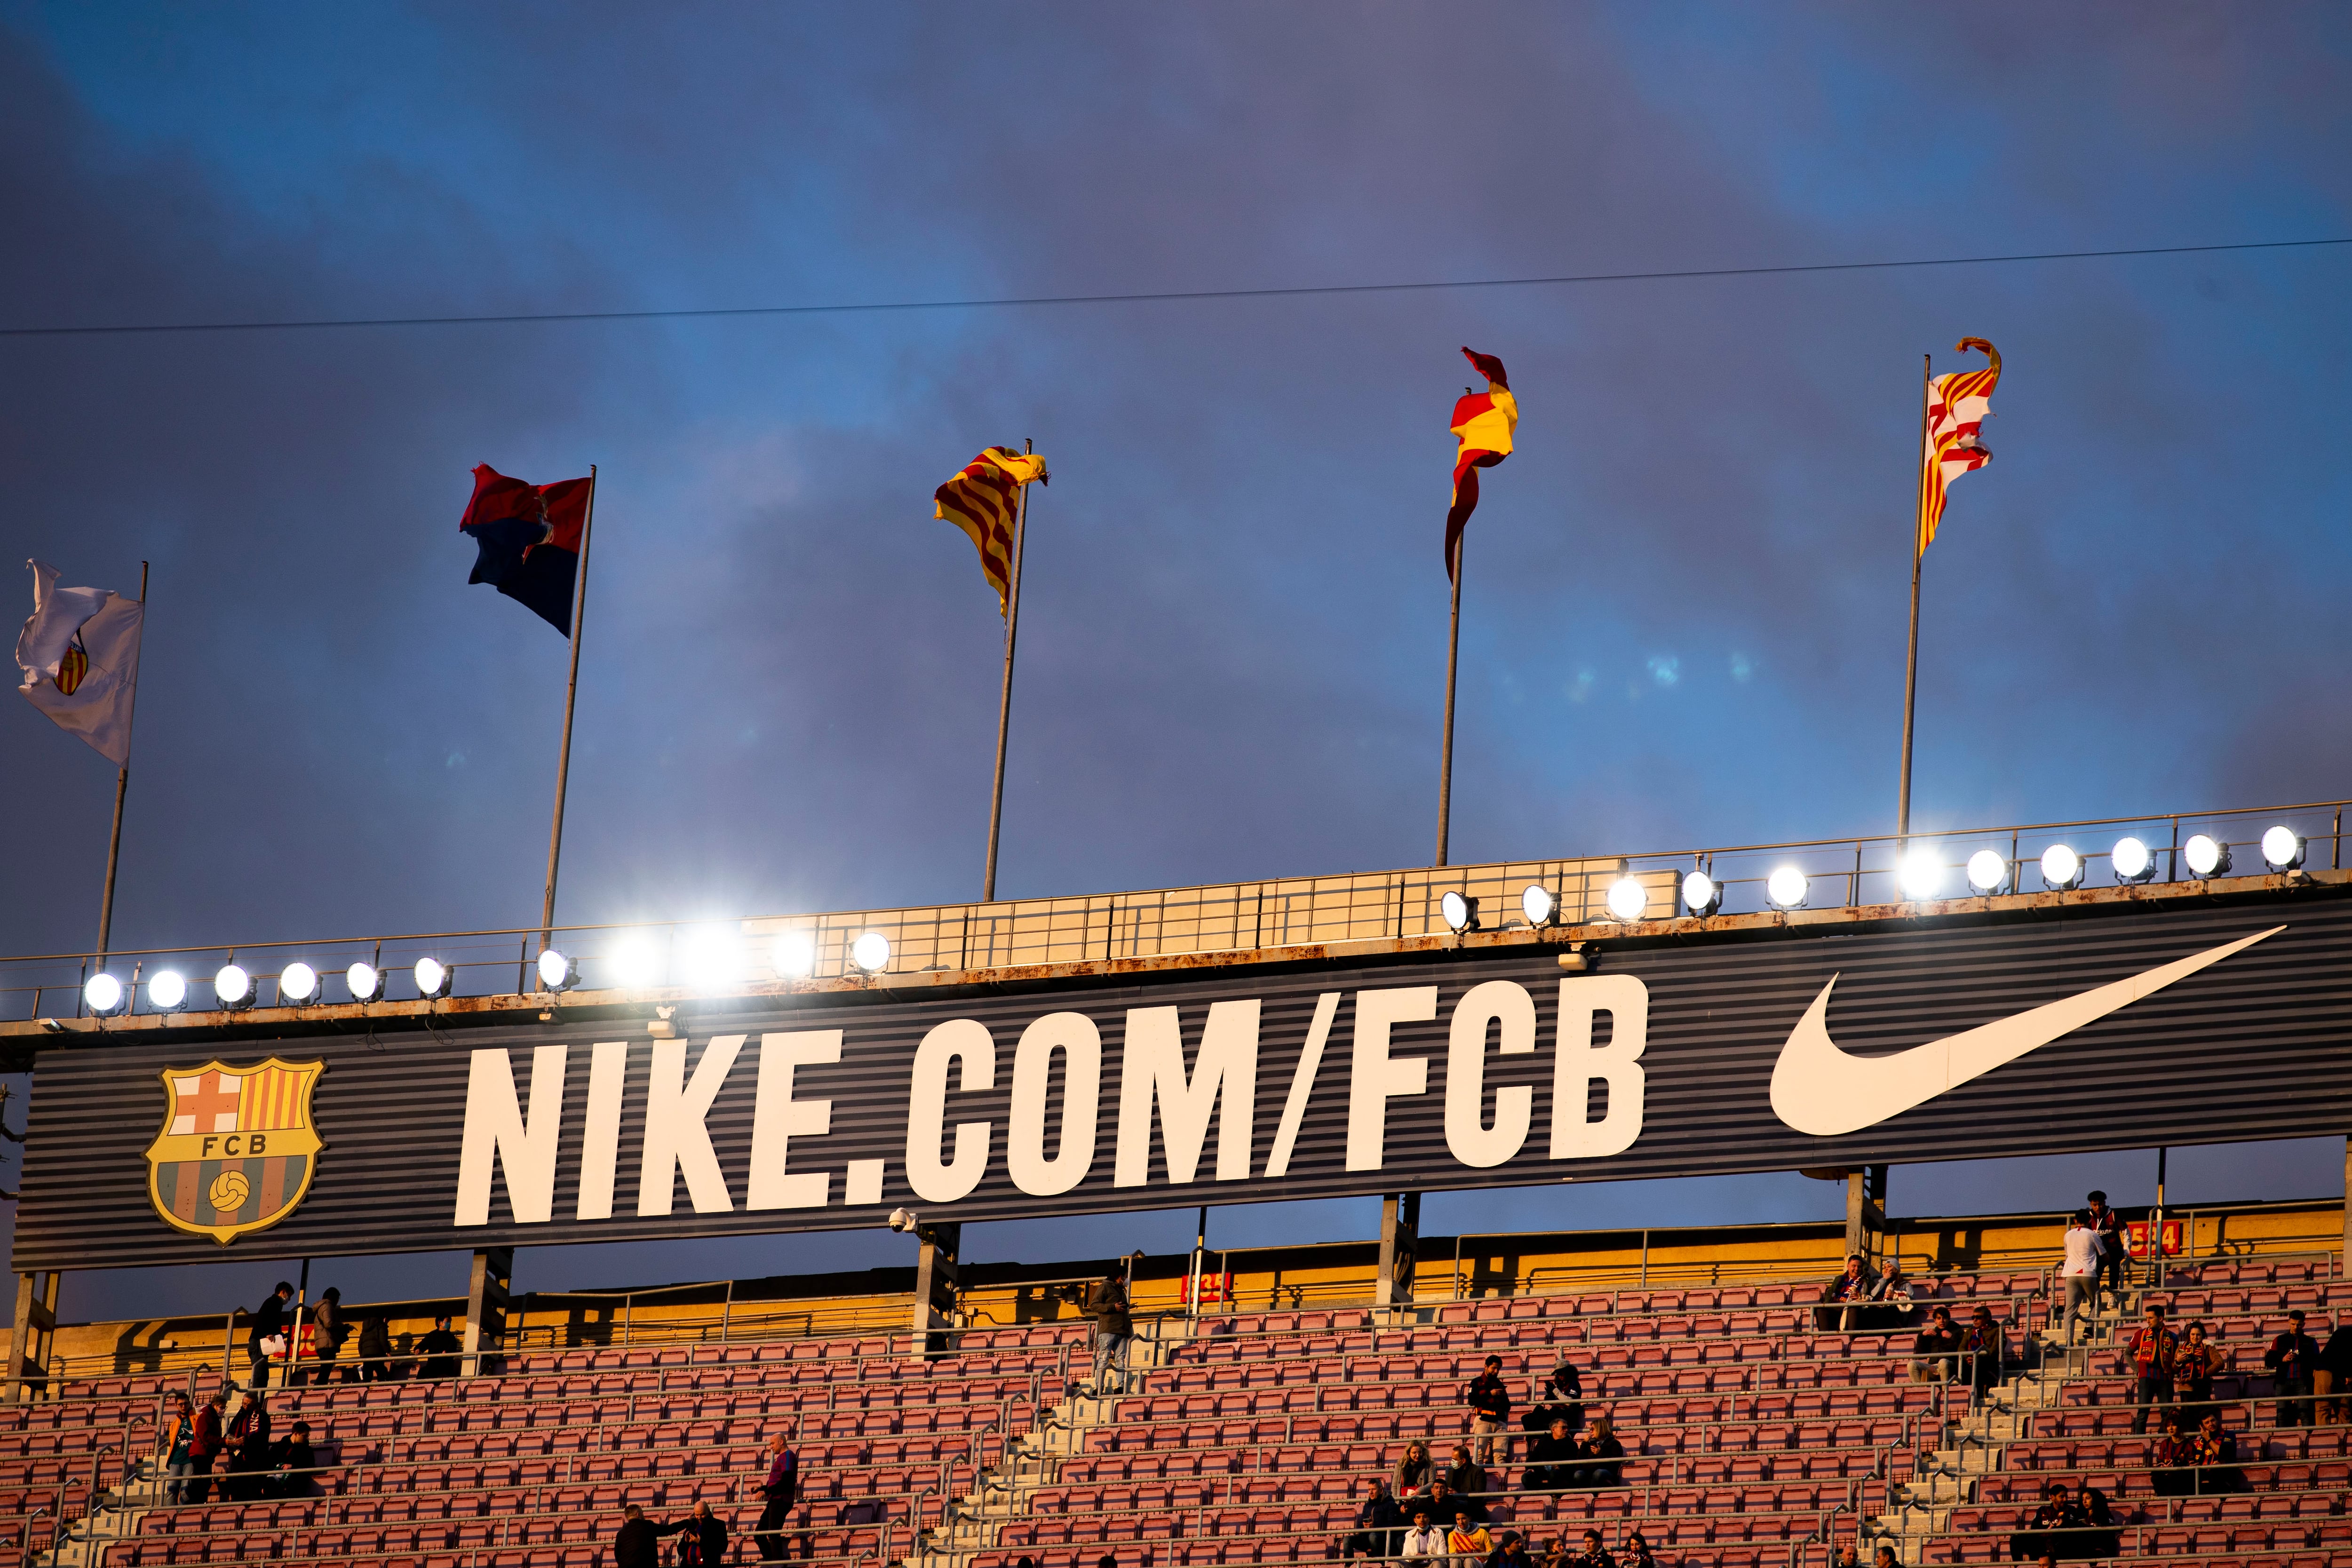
(114, 1516)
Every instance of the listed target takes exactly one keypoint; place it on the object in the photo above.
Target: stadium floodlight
(1786, 887)
(871, 951)
(2062, 868)
(2207, 856)
(2132, 860)
(233, 986)
(558, 971)
(104, 996)
(637, 962)
(795, 955)
(2281, 848)
(1920, 873)
(1540, 904)
(433, 978)
(366, 981)
(1461, 914)
(298, 982)
(712, 956)
(1702, 894)
(1628, 900)
(1988, 871)
(167, 991)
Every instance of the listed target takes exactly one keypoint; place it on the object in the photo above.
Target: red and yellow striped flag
(984, 500)
(1956, 406)
(1482, 423)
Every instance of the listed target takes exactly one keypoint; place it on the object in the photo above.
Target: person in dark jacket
(1637, 1553)
(637, 1544)
(269, 1322)
(1601, 1457)
(1511, 1552)
(1551, 1458)
(1841, 1296)
(1107, 1302)
(328, 1330)
(2047, 1516)
(1594, 1555)
(1379, 1524)
(1465, 1474)
(2115, 1245)
(1558, 1397)
(249, 1445)
(1982, 1342)
(375, 1351)
(439, 1350)
(211, 1435)
(1490, 1408)
(291, 1461)
(2334, 1374)
(1934, 1353)
(779, 1491)
(2293, 1357)
(701, 1538)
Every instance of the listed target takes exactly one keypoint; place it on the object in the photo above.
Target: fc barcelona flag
(237, 1147)
(984, 500)
(1482, 423)
(528, 537)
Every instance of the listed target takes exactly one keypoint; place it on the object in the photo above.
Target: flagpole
(1919, 557)
(571, 692)
(1446, 761)
(1004, 699)
(122, 788)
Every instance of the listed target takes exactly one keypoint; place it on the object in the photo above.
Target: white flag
(79, 655)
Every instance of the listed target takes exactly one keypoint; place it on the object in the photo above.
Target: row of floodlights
(299, 984)
(1921, 873)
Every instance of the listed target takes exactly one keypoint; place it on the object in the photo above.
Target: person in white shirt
(1424, 1538)
(2080, 1273)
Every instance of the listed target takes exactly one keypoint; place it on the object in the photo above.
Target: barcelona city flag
(984, 500)
(1958, 406)
(529, 538)
(1482, 423)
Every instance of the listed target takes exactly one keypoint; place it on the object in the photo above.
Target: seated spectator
(2097, 1521)
(635, 1546)
(1424, 1538)
(1884, 1558)
(2215, 1454)
(1443, 1503)
(1594, 1555)
(1842, 1294)
(1376, 1525)
(1935, 1354)
(1987, 1350)
(249, 1450)
(291, 1461)
(1413, 1471)
(1637, 1553)
(1551, 1459)
(1468, 1538)
(701, 1538)
(1595, 1453)
(1559, 1397)
(2293, 1357)
(375, 1351)
(2171, 1459)
(1511, 1552)
(440, 1350)
(2032, 1542)
(1465, 1474)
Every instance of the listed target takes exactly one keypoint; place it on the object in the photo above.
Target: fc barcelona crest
(237, 1148)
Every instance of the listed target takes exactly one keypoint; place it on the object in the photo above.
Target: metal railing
(715, 957)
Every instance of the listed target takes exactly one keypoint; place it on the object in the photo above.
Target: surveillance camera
(902, 1219)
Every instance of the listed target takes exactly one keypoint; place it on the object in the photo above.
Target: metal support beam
(488, 1291)
(1865, 1209)
(935, 1289)
(36, 1329)
(1400, 1243)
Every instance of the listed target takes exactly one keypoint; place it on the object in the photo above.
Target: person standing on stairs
(1114, 1329)
(2115, 1249)
(782, 1489)
(268, 1337)
(2079, 1275)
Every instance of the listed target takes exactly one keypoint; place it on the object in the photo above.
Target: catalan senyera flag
(1956, 406)
(984, 500)
(1482, 423)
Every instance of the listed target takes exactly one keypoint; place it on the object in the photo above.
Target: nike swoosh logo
(1818, 1089)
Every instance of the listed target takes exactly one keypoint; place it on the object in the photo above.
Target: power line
(1158, 297)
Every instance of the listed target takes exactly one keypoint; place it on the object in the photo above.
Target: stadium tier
(1760, 1429)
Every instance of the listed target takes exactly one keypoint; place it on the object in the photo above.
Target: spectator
(1594, 1555)
(1114, 1329)
(2148, 1358)
(2048, 1518)
(1936, 1352)
(2216, 1455)
(1511, 1552)
(291, 1462)
(1413, 1471)
(2171, 1460)
(2093, 1522)
(1884, 1558)
(328, 1330)
(1490, 1408)
(1377, 1524)
(205, 1447)
(1424, 1538)
(2292, 1358)
(2334, 1374)
(1637, 1552)
(782, 1489)
(1597, 1451)
(1559, 1397)
(2194, 1362)
(375, 1351)
(2078, 1275)
(1892, 1296)
(1551, 1459)
(248, 1443)
(701, 1538)
(1841, 1295)
(1465, 1474)
(268, 1336)
(179, 1437)
(637, 1545)
(1987, 1350)
(1468, 1538)
(440, 1350)
(2115, 1248)
(1444, 1504)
